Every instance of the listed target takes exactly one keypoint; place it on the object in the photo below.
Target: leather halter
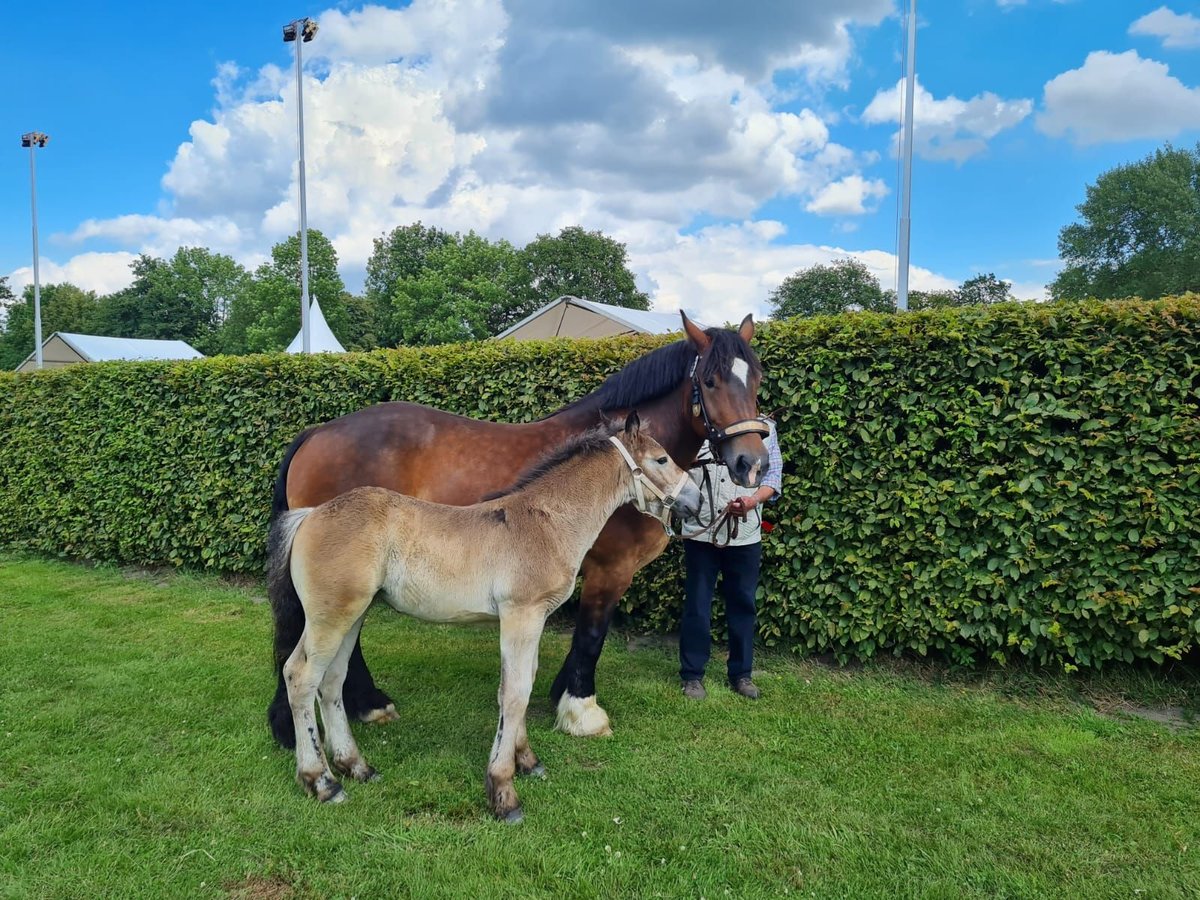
(716, 436)
(639, 479)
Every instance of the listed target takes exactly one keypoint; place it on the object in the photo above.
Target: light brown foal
(514, 558)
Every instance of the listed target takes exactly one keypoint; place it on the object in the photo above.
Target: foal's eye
(662, 460)
(710, 383)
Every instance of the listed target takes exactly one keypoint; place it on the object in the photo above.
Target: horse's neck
(667, 419)
(578, 497)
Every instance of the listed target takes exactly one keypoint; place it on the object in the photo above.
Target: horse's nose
(748, 470)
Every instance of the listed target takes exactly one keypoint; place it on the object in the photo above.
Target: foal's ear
(695, 334)
(633, 424)
(746, 329)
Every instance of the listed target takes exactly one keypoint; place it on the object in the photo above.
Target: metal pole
(906, 155)
(37, 283)
(305, 341)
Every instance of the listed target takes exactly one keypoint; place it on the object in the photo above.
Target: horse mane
(660, 371)
(584, 443)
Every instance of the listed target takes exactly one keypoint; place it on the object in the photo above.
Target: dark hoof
(325, 788)
(333, 794)
(538, 771)
(514, 816)
(356, 769)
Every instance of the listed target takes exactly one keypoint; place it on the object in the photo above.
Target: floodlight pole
(33, 140)
(305, 30)
(906, 154)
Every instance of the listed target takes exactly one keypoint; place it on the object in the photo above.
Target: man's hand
(740, 506)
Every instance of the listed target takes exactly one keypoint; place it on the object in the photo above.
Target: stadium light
(34, 140)
(306, 30)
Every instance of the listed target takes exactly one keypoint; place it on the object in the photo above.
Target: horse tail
(288, 614)
(285, 602)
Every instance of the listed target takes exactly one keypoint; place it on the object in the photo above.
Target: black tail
(285, 602)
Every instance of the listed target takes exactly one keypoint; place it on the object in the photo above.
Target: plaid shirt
(724, 490)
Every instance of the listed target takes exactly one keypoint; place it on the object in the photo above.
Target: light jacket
(723, 490)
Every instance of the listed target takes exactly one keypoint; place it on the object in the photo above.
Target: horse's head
(654, 470)
(724, 398)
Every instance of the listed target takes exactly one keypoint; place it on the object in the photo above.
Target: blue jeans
(738, 568)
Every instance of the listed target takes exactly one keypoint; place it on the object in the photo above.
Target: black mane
(660, 371)
(583, 444)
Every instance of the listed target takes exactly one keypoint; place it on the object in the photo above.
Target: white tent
(320, 338)
(578, 318)
(65, 348)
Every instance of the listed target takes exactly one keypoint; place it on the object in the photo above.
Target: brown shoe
(745, 687)
(694, 689)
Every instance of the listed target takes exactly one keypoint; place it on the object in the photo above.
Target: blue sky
(727, 148)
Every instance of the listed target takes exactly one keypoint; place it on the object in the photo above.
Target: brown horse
(513, 558)
(705, 386)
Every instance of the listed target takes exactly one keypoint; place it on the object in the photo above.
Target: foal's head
(725, 380)
(653, 464)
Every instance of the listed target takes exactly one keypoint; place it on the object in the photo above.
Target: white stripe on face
(740, 370)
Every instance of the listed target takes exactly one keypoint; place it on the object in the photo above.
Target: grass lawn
(135, 761)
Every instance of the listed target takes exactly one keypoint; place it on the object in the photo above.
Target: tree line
(1138, 236)
(424, 286)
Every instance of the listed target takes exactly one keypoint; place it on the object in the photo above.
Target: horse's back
(411, 449)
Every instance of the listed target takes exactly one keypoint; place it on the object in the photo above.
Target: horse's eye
(710, 383)
(662, 460)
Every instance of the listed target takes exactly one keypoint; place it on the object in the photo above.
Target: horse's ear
(695, 334)
(633, 423)
(746, 329)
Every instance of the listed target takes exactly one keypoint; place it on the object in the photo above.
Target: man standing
(732, 550)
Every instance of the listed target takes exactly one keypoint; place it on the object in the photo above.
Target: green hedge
(1020, 481)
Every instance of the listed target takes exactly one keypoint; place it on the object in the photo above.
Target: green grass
(135, 761)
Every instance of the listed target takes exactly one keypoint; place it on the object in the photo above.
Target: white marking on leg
(582, 717)
(740, 370)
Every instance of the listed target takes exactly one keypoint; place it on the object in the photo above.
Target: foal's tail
(285, 602)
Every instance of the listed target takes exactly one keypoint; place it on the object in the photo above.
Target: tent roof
(629, 321)
(321, 338)
(100, 348)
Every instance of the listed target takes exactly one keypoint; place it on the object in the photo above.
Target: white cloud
(1118, 97)
(848, 196)
(949, 129)
(518, 119)
(99, 272)
(725, 272)
(1174, 29)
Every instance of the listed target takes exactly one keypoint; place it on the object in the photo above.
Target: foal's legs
(520, 633)
(338, 739)
(303, 672)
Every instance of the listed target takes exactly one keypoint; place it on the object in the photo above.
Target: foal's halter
(639, 479)
(716, 436)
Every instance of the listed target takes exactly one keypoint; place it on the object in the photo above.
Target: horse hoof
(335, 794)
(582, 717)
(514, 816)
(538, 771)
(380, 716)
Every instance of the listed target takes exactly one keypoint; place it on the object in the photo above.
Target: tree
(469, 290)
(983, 290)
(266, 314)
(842, 285)
(186, 298)
(402, 253)
(585, 264)
(1138, 235)
(65, 307)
